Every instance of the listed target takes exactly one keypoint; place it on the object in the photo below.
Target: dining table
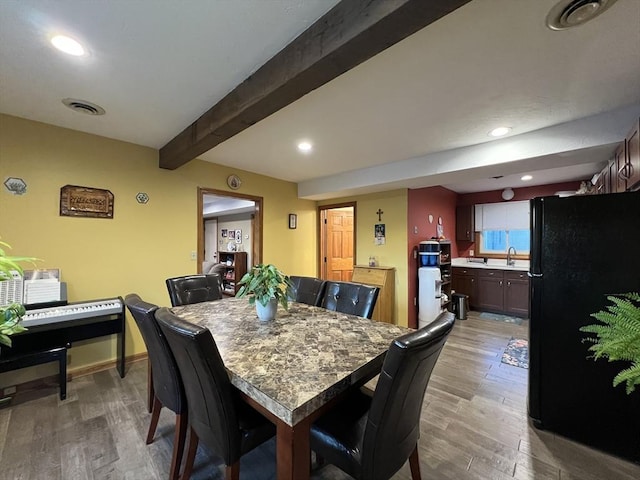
(295, 367)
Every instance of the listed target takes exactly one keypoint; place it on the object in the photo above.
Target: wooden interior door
(339, 244)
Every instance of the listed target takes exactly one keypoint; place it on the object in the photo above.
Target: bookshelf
(235, 268)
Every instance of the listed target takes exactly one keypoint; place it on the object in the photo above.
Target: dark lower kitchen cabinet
(516, 293)
(464, 280)
(490, 290)
(494, 290)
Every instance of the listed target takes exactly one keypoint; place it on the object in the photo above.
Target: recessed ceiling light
(500, 131)
(68, 45)
(526, 178)
(305, 147)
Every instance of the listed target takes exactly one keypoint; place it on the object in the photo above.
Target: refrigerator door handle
(534, 275)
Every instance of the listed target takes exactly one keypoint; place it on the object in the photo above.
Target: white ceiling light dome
(508, 194)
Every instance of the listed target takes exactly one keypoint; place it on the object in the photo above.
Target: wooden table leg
(150, 390)
(293, 455)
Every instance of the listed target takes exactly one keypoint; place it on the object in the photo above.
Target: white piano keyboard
(44, 316)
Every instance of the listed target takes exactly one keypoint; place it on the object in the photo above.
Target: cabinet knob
(500, 282)
(508, 284)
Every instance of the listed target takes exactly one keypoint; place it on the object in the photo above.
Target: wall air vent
(83, 106)
(571, 13)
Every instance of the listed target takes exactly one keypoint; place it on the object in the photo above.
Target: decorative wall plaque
(78, 201)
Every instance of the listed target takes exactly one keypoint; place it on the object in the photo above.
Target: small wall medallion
(234, 182)
(142, 197)
(15, 185)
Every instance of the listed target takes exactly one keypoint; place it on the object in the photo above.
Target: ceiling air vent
(83, 106)
(571, 13)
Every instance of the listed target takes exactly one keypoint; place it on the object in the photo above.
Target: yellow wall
(394, 253)
(143, 244)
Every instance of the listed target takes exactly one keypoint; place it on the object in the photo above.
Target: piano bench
(30, 359)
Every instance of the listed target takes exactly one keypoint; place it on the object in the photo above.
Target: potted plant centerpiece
(266, 286)
(10, 315)
(618, 336)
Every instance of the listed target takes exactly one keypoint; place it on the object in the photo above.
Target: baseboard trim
(99, 367)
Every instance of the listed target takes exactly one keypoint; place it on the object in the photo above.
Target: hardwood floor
(474, 426)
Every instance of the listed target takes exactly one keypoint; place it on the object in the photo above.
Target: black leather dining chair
(168, 390)
(309, 290)
(218, 416)
(371, 437)
(348, 297)
(194, 289)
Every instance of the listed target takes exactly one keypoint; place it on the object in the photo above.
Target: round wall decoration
(234, 182)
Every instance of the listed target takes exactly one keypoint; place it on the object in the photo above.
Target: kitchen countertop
(495, 264)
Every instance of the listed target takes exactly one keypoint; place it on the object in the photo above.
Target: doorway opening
(215, 207)
(337, 241)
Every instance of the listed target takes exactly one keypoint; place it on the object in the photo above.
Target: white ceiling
(217, 205)
(415, 115)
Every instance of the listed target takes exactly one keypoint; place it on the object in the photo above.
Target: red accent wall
(439, 202)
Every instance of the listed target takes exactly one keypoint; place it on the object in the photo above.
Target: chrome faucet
(510, 261)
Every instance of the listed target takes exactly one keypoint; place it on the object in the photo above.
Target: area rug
(517, 353)
(500, 318)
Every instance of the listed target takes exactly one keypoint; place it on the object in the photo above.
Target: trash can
(460, 305)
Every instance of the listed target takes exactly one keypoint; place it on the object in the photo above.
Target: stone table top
(296, 363)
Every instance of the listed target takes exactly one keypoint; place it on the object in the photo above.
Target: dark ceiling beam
(350, 33)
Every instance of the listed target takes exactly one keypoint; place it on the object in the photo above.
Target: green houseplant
(266, 286)
(618, 336)
(11, 315)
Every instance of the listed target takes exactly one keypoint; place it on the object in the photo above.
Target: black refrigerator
(582, 248)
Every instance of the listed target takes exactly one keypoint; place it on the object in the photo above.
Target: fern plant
(617, 337)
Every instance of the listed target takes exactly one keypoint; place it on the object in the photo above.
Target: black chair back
(352, 298)
(393, 423)
(194, 289)
(309, 290)
(212, 412)
(167, 382)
